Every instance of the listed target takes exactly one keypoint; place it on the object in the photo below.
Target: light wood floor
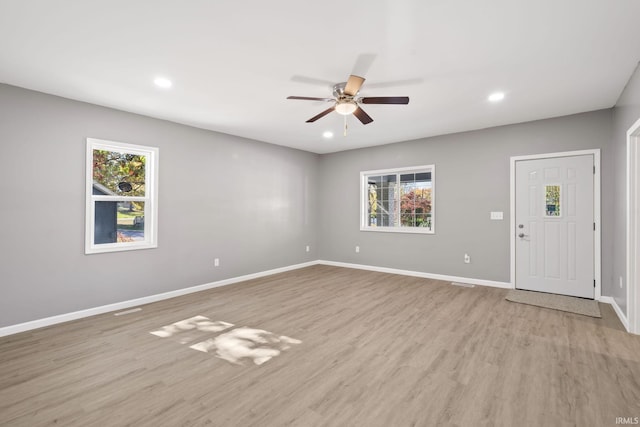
(377, 350)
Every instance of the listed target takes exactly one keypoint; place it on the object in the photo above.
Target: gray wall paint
(472, 179)
(248, 203)
(625, 114)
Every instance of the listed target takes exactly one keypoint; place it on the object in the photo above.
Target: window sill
(119, 247)
(410, 230)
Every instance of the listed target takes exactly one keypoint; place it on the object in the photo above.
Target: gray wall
(248, 203)
(625, 114)
(472, 179)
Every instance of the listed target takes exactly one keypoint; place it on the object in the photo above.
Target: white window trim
(364, 199)
(150, 198)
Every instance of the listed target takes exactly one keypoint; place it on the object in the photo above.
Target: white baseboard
(48, 321)
(481, 282)
(617, 309)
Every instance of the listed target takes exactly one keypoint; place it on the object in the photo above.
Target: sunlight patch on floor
(234, 346)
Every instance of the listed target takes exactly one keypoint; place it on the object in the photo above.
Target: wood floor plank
(376, 350)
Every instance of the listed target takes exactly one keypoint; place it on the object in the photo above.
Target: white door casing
(555, 223)
(633, 228)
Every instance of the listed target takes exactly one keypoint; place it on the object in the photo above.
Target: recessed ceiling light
(162, 82)
(496, 96)
(328, 134)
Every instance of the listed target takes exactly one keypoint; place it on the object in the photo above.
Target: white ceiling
(233, 63)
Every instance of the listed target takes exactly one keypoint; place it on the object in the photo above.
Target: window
(398, 200)
(122, 192)
(552, 200)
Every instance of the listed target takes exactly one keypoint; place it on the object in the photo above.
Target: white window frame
(364, 200)
(150, 198)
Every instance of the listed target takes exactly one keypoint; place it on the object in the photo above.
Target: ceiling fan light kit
(346, 100)
(345, 107)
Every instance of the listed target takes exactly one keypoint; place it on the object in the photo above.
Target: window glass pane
(372, 205)
(407, 177)
(426, 176)
(407, 219)
(415, 201)
(389, 180)
(118, 222)
(423, 220)
(400, 199)
(375, 180)
(552, 200)
(120, 174)
(392, 213)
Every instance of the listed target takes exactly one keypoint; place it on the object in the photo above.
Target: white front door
(554, 225)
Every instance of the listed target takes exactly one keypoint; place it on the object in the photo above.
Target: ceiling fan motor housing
(338, 91)
(345, 104)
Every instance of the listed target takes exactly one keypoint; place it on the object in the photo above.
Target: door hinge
(594, 226)
(594, 283)
(594, 170)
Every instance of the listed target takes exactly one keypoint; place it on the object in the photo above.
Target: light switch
(496, 215)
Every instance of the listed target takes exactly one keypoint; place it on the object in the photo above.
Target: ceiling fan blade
(362, 116)
(385, 100)
(353, 85)
(310, 98)
(321, 115)
(312, 81)
(363, 64)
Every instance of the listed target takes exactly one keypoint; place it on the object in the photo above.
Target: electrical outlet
(357, 249)
(308, 249)
(467, 259)
(216, 262)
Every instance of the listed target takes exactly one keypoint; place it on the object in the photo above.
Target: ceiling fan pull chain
(345, 125)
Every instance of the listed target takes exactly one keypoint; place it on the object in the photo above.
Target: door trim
(597, 258)
(633, 228)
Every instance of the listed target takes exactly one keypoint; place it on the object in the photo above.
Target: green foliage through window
(120, 173)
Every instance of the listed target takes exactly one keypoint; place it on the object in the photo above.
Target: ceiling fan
(346, 100)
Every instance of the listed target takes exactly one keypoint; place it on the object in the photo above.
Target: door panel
(554, 225)
(552, 248)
